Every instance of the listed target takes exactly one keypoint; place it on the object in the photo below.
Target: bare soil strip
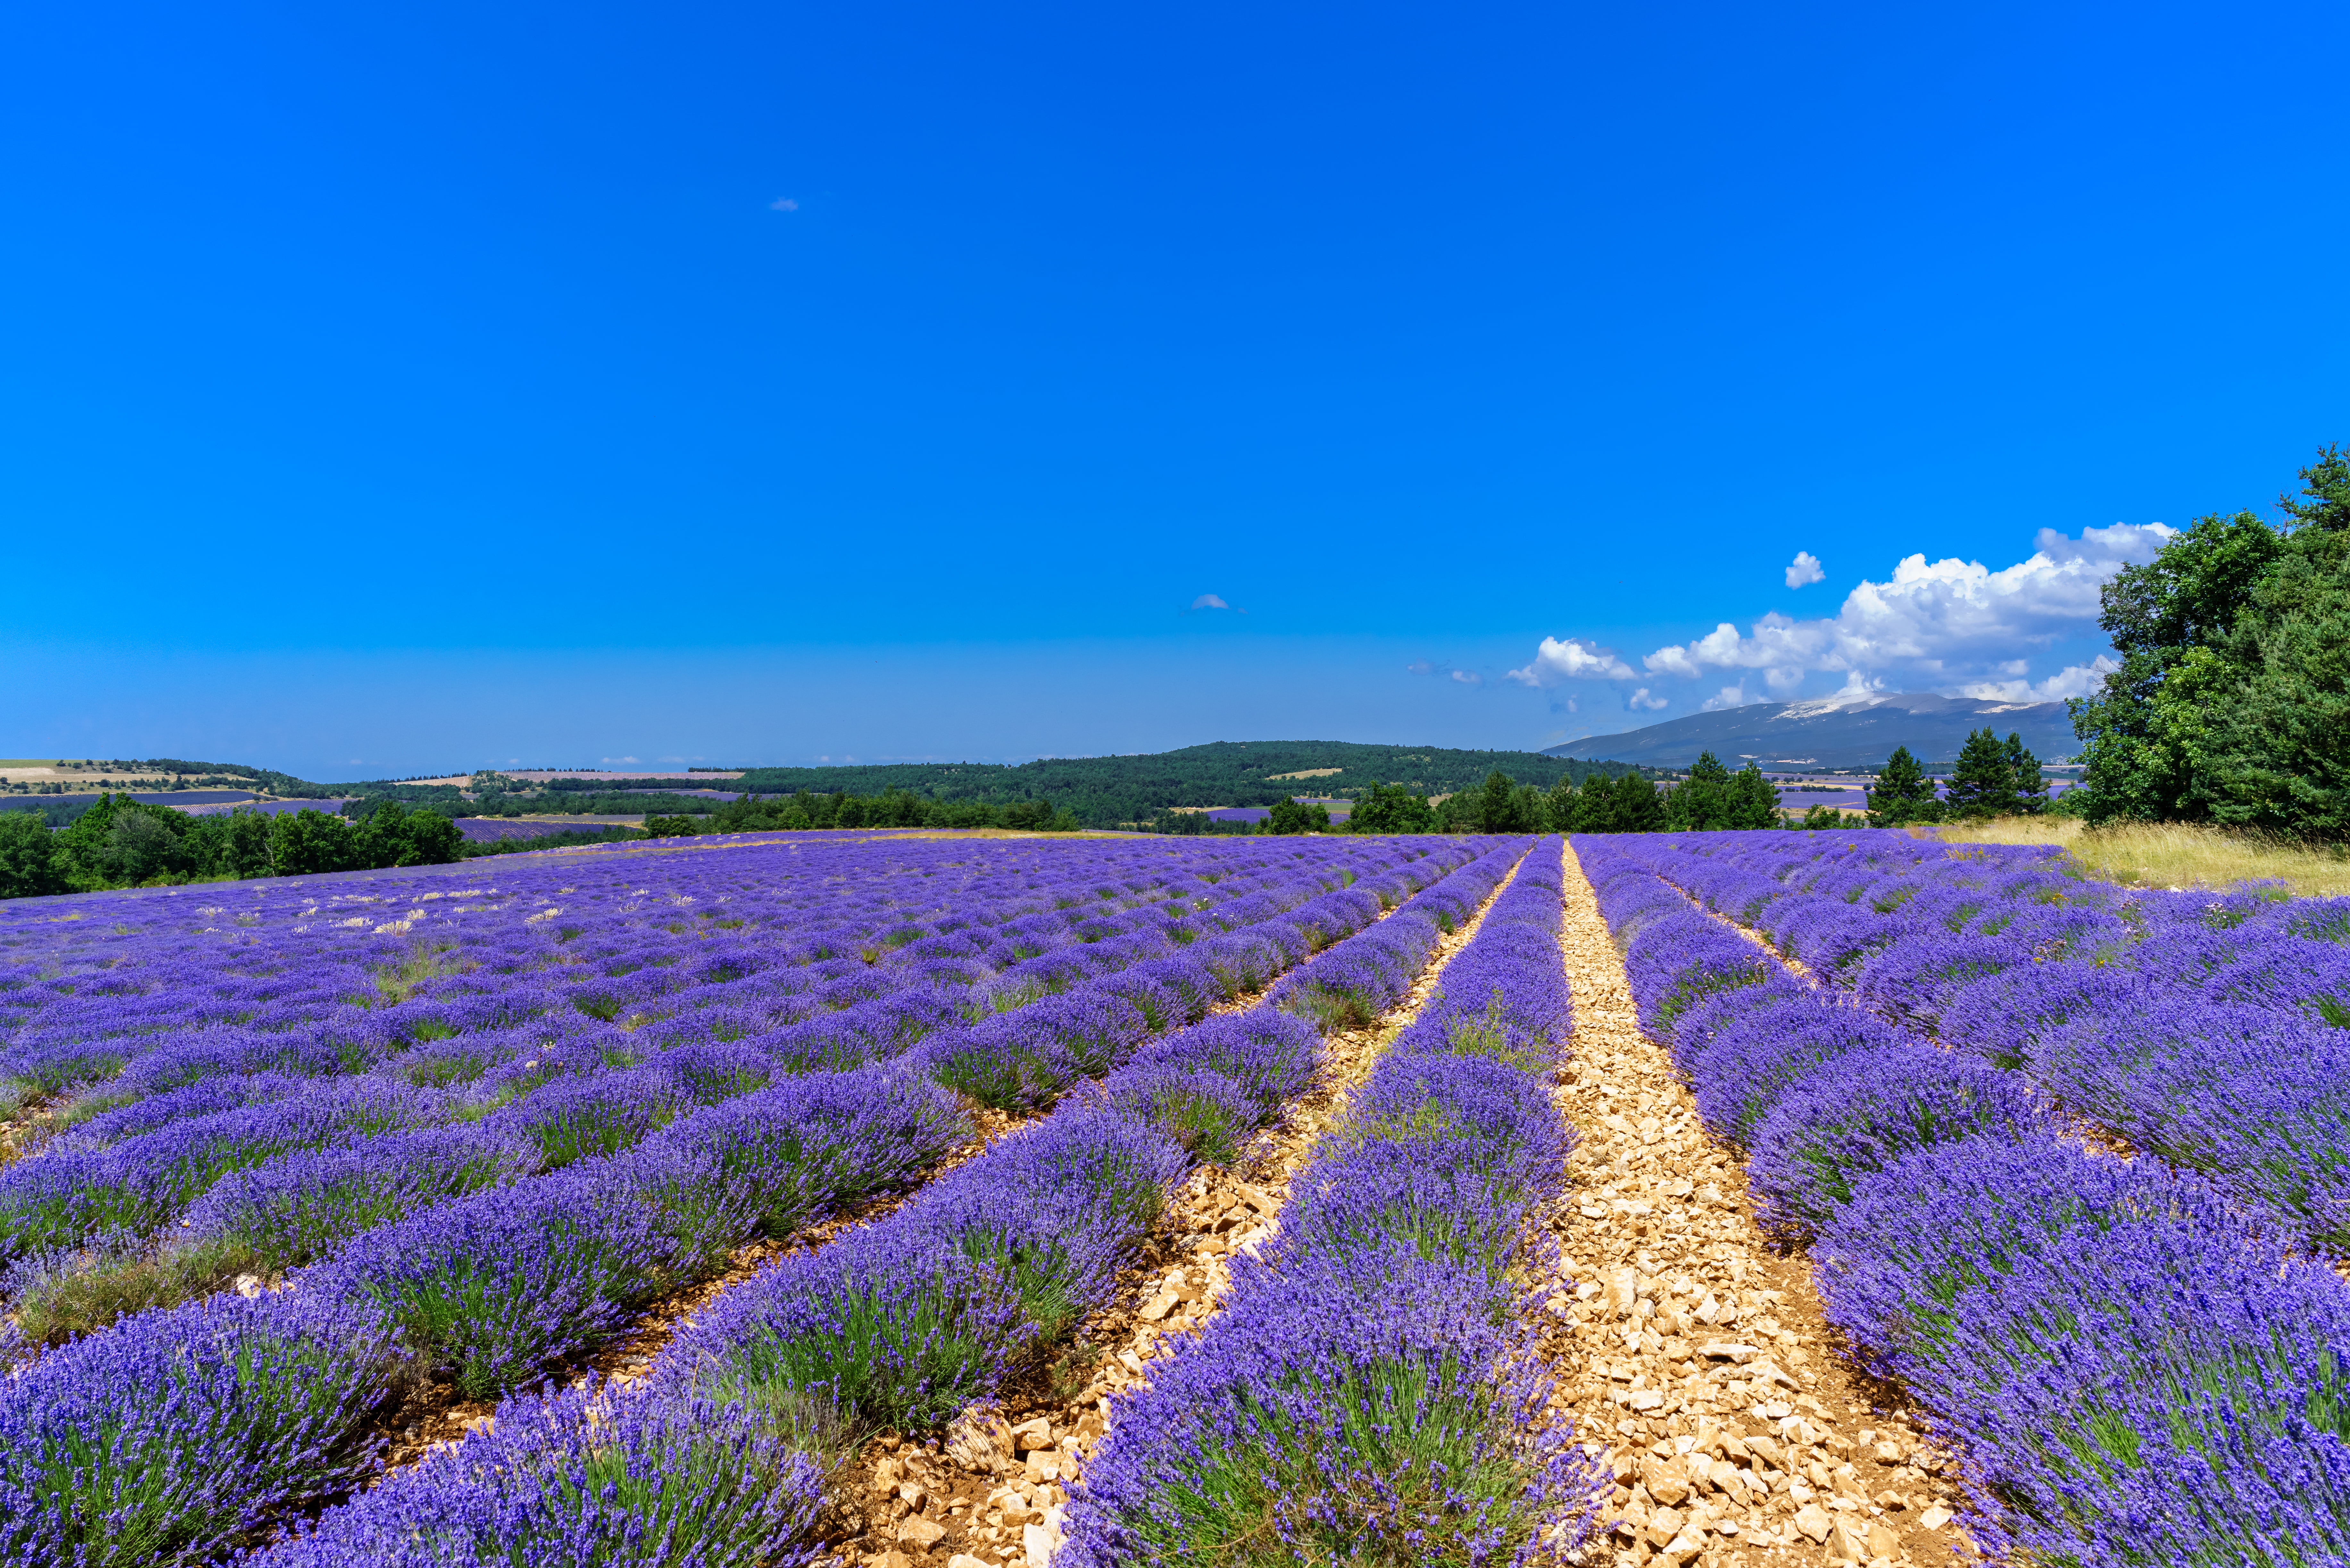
(992, 1493)
(1698, 1355)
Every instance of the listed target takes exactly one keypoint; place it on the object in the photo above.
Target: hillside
(1833, 732)
(1105, 791)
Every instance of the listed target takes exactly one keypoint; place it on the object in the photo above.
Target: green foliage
(1712, 799)
(28, 857)
(1391, 808)
(1903, 795)
(890, 809)
(671, 828)
(1106, 792)
(2234, 687)
(1821, 816)
(1298, 816)
(122, 843)
(568, 838)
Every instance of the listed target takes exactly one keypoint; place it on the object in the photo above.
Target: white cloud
(1209, 601)
(1727, 697)
(783, 204)
(1805, 568)
(1939, 624)
(1640, 699)
(2072, 681)
(1573, 659)
(1468, 678)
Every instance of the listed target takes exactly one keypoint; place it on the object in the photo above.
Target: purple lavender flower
(590, 1474)
(168, 1436)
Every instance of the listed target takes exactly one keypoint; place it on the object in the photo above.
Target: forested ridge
(1103, 791)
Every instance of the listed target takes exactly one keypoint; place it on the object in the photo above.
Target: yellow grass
(2167, 853)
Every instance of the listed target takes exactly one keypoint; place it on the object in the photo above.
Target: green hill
(1107, 791)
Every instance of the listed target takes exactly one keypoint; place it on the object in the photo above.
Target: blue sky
(430, 386)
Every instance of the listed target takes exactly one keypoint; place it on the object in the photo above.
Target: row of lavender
(744, 943)
(1370, 1391)
(2206, 1029)
(94, 1197)
(485, 1289)
(2131, 1372)
(719, 1454)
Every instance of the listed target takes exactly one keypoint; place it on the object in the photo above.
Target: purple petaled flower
(171, 1436)
(488, 1289)
(1355, 1403)
(299, 1207)
(590, 1474)
(1857, 1113)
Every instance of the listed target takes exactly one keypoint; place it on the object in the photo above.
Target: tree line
(1991, 778)
(890, 809)
(2232, 701)
(1710, 798)
(123, 843)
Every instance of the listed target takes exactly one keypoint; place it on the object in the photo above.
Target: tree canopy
(2231, 703)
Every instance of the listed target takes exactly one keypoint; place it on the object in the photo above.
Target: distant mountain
(1839, 731)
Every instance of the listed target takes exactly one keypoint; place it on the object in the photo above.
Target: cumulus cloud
(1943, 622)
(1572, 658)
(2072, 681)
(1209, 601)
(1950, 625)
(1468, 678)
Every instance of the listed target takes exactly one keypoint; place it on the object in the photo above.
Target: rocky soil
(991, 1492)
(1690, 1349)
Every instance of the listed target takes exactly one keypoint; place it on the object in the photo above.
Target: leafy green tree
(1903, 793)
(307, 841)
(672, 827)
(1982, 783)
(1632, 805)
(1298, 816)
(1391, 808)
(392, 836)
(2274, 755)
(1751, 801)
(243, 850)
(1563, 811)
(1822, 816)
(2023, 769)
(1701, 802)
(1497, 804)
(2234, 687)
(28, 857)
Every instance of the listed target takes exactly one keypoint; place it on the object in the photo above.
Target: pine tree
(1564, 810)
(1494, 803)
(2030, 789)
(1983, 782)
(1638, 807)
(1700, 803)
(1752, 800)
(1903, 793)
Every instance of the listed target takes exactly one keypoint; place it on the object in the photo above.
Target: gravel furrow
(1740, 1437)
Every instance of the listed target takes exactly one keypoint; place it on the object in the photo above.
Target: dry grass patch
(2168, 853)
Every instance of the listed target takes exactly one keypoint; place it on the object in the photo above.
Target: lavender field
(2067, 1162)
(728, 1201)
(297, 1161)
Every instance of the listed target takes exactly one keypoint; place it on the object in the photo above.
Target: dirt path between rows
(1693, 1351)
(991, 1495)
